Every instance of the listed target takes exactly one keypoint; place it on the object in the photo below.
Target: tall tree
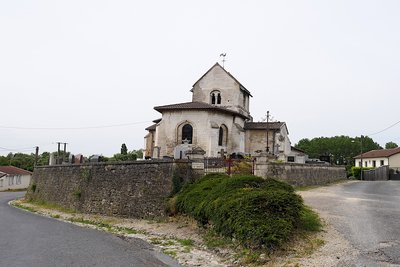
(389, 145)
(342, 149)
(124, 149)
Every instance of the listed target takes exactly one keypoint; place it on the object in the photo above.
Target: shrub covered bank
(259, 213)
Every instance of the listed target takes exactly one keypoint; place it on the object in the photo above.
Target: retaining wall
(135, 189)
(301, 174)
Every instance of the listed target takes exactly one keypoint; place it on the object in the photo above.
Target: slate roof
(11, 170)
(263, 126)
(379, 153)
(230, 75)
(198, 106)
(152, 127)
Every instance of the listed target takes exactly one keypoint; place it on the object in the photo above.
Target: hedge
(257, 212)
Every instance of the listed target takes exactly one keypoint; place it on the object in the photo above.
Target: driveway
(367, 214)
(30, 240)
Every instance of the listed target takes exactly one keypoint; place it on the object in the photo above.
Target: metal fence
(213, 165)
(394, 174)
(229, 166)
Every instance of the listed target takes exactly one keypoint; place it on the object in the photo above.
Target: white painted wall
(205, 131)
(11, 182)
(368, 162)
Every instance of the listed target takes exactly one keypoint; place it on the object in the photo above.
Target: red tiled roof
(298, 150)
(198, 106)
(379, 153)
(11, 170)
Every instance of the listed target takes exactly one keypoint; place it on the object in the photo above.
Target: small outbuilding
(379, 157)
(12, 178)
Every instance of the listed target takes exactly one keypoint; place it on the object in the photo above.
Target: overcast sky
(326, 68)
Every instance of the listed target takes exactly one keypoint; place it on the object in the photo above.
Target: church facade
(217, 121)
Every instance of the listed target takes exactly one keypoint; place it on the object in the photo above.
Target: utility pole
(361, 143)
(267, 131)
(36, 155)
(59, 152)
(65, 151)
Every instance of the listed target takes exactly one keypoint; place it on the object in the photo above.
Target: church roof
(152, 127)
(264, 125)
(198, 106)
(230, 75)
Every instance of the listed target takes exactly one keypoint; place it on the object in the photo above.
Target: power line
(22, 149)
(387, 128)
(16, 149)
(72, 128)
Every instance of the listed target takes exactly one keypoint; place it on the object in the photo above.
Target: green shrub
(309, 220)
(357, 171)
(255, 211)
(241, 167)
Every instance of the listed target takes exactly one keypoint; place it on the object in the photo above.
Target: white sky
(326, 68)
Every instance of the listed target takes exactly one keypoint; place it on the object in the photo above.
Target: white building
(217, 120)
(14, 178)
(379, 157)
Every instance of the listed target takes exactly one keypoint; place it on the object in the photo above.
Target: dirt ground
(181, 239)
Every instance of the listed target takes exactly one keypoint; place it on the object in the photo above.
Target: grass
(50, 206)
(30, 209)
(128, 231)
(213, 240)
(310, 187)
(171, 253)
(186, 242)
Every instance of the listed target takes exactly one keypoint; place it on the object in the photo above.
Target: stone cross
(222, 153)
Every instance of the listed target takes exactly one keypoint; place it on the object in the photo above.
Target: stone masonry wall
(135, 189)
(301, 174)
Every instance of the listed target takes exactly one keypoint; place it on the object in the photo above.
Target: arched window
(216, 97)
(213, 98)
(187, 133)
(222, 135)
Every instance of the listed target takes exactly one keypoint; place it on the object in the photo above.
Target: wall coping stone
(114, 163)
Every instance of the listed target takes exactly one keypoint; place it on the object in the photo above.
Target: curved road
(367, 214)
(31, 240)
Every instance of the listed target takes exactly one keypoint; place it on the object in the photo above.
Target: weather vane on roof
(223, 55)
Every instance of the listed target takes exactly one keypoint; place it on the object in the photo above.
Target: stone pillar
(196, 156)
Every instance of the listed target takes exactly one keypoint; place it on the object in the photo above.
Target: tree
(23, 161)
(342, 149)
(389, 145)
(124, 149)
(139, 153)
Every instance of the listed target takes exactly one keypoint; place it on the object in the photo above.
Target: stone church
(216, 121)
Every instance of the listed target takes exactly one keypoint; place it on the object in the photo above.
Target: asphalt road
(367, 214)
(28, 239)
